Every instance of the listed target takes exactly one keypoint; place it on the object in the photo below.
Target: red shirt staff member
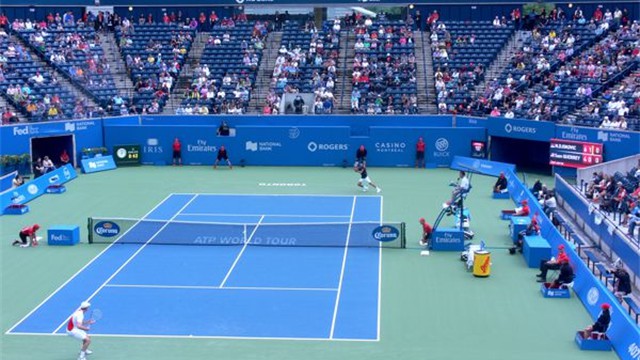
(177, 152)
(27, 232)
(524, 210)
(426, 232)
(222, 155)
(420, 147)
(64, 157)
(553, 264)
(77, 328)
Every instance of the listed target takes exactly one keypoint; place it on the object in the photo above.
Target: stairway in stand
(265, 72)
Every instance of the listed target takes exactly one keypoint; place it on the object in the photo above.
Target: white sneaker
(365, 189)
(81, 357)
(88, 352)
(378, 190)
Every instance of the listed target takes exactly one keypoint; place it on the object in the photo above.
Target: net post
(89, 232)
(403, 237)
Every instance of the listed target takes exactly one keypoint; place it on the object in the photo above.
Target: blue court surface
(258, 292)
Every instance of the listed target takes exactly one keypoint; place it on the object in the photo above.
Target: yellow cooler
(481, 263)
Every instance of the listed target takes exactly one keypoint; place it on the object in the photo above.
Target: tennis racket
(95, 315)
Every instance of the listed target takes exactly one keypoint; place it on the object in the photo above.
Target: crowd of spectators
(384, 68)
(617, 194)
(306, 63)
(226, 89)
(561, 68)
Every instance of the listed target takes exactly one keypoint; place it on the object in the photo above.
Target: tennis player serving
(77, 328)
(361, 168)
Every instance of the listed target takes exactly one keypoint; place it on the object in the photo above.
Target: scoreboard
(126, 155)
(574, 154)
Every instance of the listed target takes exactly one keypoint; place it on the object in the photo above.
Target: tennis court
(298, 267)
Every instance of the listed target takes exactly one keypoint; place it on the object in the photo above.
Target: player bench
(603, 272)
(591, 258)
(633, 306)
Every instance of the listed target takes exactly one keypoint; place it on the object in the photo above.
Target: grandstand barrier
(34, 188)
(612, 237)
(623, 333)
(389, 139)
(295, 145)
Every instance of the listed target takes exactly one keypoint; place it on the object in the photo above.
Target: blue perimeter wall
(316, 140)
(623, 331)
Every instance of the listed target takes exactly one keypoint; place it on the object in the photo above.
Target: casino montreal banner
(296, 145)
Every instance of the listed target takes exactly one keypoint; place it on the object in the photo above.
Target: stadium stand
(224, 79)
(462, 51)
(154, 55)
(75, 51)
(307, 63)
(34, 91)
(384, 69)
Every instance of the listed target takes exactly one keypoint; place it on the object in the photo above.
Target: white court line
(344, 263)
(134, 255)
(280, 195)
(244, 247)
(84, 267)
(380, 274)
(203, 337)
(268, 215)
(195, 287)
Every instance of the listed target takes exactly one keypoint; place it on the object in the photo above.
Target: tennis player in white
(77, 328)
(361, 168)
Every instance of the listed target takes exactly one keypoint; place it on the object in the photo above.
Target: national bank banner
(617, 144)
(521, 129)
(16, 139)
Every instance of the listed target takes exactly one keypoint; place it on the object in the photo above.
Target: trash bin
(481, 263)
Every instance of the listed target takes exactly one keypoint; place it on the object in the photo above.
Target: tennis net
(163, 232)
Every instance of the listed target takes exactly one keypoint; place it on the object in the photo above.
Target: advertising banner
(521, 129)
(34, 188)
(97, 164)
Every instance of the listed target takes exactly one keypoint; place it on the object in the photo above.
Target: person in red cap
(426, 232)
(602, 323)
(532, 229)
(28, 232)
(553, 264)
(523, 210)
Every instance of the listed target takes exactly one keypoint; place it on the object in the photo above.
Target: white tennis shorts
(367, 179)
(77, 334)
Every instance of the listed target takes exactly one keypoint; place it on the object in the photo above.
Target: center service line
(244, 247)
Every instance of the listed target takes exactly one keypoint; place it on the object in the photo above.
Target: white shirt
(464, 183)
(76, 319)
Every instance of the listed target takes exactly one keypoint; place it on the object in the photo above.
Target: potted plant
(25, 163)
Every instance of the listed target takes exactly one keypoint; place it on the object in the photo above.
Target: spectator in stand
(622, 282)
